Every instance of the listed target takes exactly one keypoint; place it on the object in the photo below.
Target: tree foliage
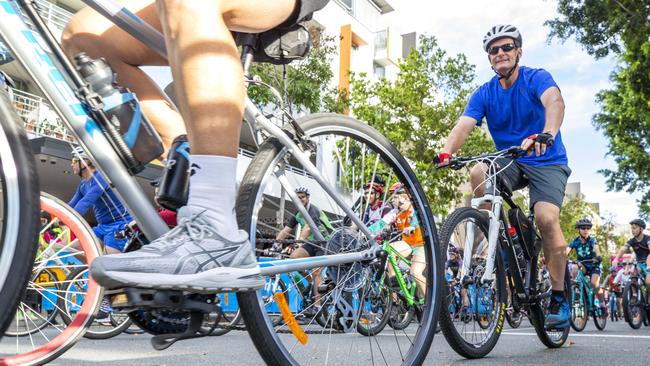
(416, 112)
(621, 28)
(573, 209)
(304, 85)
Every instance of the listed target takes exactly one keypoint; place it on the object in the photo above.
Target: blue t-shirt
(517, 112)
(584, 250)
(95, 193)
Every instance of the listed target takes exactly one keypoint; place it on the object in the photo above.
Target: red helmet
(379, 188)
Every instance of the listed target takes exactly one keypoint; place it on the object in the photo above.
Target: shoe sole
(222, 279)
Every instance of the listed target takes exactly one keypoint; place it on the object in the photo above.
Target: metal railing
(40, 119)
(53, 15)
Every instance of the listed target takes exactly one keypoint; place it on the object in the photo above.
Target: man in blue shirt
(93, 191)
(523, 107)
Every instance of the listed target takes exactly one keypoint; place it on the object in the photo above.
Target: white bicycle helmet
(78, 152)
(502, 31)
(303, 190)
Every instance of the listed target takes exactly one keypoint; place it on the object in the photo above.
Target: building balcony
(388, 48)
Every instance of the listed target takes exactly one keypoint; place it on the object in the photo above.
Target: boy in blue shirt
(588, 254)
(523, 107)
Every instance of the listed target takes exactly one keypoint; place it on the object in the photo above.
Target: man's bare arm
(459, 134)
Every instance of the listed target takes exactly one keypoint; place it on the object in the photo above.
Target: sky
(460, 25)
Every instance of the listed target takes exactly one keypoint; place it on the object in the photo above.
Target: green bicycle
(398, 300)
(582, 301)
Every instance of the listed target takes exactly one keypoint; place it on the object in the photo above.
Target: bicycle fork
(493, 235)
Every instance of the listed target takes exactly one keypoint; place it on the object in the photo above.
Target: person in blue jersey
(588, 254)
(93, 192)
(523, 106)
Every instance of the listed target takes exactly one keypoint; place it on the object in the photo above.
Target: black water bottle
(122, 109)
(175, 183)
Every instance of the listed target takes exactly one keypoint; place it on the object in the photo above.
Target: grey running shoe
(191, 257)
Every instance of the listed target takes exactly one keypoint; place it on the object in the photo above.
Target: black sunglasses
(506, 48)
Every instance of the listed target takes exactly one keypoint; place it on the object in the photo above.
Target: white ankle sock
(213, 186)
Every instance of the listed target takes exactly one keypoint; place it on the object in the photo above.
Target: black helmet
(502, 31)
(583, 223)
(638, 222)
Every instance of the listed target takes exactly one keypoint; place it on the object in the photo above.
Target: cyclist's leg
(103, 234)
(90, 32)
(418, 265)
(210, 94)
(595, 283)
(316, 275)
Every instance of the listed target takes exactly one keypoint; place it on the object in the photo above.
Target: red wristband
(443, 156)
(532, 137)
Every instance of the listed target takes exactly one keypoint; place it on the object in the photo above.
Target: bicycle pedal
(136, 298)
(163, 341)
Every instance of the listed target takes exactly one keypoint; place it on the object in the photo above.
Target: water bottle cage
(131, 135)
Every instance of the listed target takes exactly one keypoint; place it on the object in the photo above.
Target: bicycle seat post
(248, 41)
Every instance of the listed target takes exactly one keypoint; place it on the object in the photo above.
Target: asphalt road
(617, 345)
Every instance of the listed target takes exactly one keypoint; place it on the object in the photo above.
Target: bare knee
(77, 37)
(547, 221)
(477, 177)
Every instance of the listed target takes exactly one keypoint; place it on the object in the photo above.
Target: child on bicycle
(588, 254)
(405, 221)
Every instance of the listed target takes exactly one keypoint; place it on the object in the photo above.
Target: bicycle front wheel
(18, 210)
(474, 329)
(577, 300)
(349, 154)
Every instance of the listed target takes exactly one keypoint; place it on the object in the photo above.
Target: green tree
(621, 28)
(417, 110)
(303, 85)
(573, 209)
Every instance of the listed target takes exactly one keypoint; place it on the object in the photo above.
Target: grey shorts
(545, 183)
(303, 11)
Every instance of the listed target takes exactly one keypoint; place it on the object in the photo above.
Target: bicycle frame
(409, 294)
(31, 51)
(583, 282)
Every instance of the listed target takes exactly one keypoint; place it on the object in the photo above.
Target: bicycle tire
(600, 320)
(117, 327)
(456, 340)
(51, 288)
(575, 295)
(376, 329)
(20, 209)
(266, 340)
(631, 289)
(550, 338)
(400, 320)
(54, 346)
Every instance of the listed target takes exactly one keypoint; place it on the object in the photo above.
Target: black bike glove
(543, 138)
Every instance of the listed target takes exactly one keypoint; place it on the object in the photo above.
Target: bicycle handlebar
(457, 163)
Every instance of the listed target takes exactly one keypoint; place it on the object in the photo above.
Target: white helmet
(78, 152)
(502, 31)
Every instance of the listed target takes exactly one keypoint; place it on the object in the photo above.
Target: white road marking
(586, 335)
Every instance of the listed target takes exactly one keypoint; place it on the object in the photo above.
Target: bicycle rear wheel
(18, 209)
(353, 153)
(61, 257)
(551, 338)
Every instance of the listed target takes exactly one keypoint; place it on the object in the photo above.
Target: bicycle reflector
(289, 319)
